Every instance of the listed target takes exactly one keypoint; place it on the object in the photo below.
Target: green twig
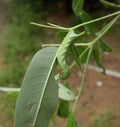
(104, 30)
(82, 82)
(51, 26)
(57, 45)
(101, 33)
(57, 26)
(95, 20)
(110, 3)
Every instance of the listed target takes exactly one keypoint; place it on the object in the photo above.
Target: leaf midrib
(44, 88)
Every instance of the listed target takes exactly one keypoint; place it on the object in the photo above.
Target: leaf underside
(39, 92)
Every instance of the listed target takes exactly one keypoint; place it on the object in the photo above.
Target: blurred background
(99, 105)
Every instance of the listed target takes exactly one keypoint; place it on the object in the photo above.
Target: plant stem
(101, 33)
(104, 30)
(90, 47)
(57, 45)
(95, 20)
(110, 3)
(51, 26)
(83, 79)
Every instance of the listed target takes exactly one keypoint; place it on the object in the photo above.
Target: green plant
(105, 120)
(20, 46)
(41, 88)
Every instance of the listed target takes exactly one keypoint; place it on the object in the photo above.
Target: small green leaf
(105, 47)
(97, 55)
(82, 54)
(90, 28)
(65, 93)
(97, 58)
(77, 6)
(75, 54)
(71, 120)
(54, 117)
(63, 110)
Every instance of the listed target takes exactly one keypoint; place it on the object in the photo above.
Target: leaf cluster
(42, 89)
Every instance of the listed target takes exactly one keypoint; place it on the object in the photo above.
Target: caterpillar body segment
(62, 51)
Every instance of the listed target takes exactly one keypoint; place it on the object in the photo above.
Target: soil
(101, 94)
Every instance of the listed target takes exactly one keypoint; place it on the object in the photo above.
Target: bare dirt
(100, 103)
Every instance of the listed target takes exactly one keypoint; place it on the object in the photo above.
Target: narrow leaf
(97, 57)
(105, 47)
(110, 4)
(83, 53)
(71, 120)
(77, 6)
(75, 54)
(39, 92)
(90, 28)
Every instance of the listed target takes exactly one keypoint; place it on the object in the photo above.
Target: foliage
(40, 92)
(104, 120)
(22, 43)
(33, 114)
(36, 97)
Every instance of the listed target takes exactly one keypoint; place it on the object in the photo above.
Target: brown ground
(96, 103)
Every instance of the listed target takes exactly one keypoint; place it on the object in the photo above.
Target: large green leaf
(39, 92)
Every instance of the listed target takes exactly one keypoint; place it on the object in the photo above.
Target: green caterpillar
(62, 51)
